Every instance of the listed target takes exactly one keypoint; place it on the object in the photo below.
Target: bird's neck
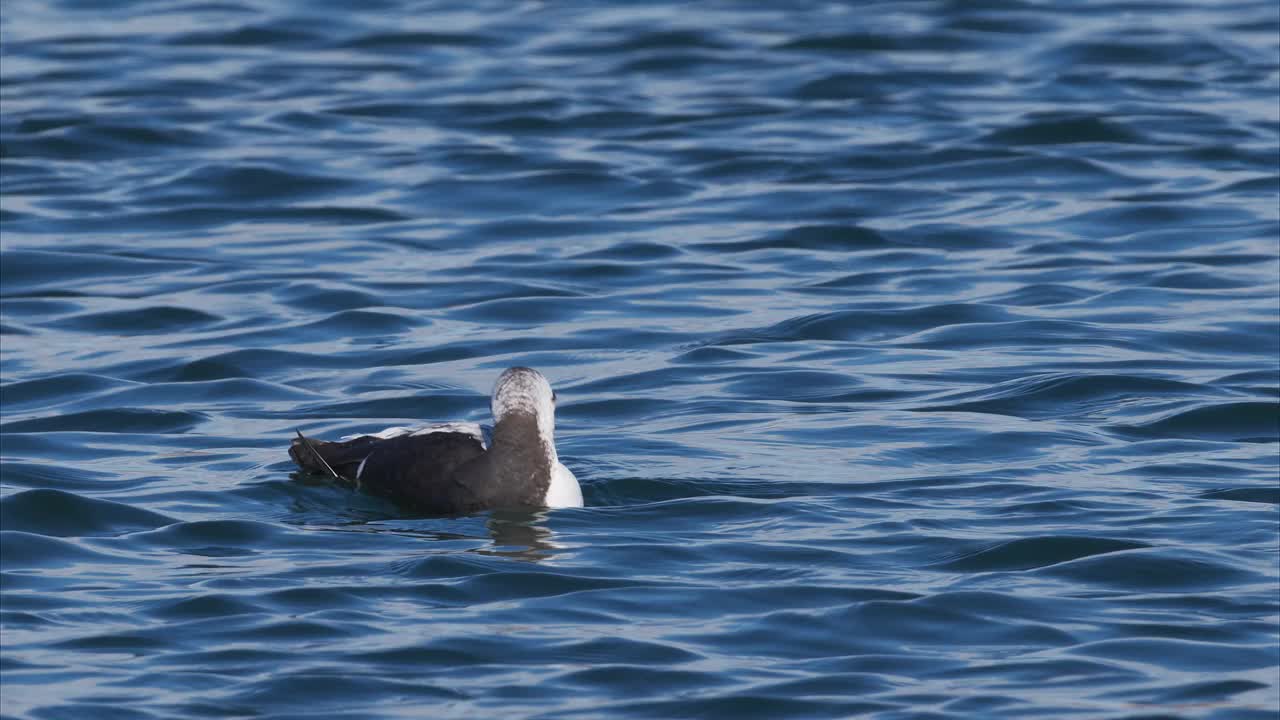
(519, 448)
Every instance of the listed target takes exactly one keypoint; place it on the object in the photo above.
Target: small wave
(1036, 552)
(1059, 395)
(1151, 570)
(396, 42)
(34, 272)
(1234, 422)
(1184, 655)
(117, 420)
(23, 551)
(1267, 495)
(827, 238)
(156, 319)
(1058, 130)
(862, 324)
(65, 514)
(213, 538)
(248, 183)
(55, 390)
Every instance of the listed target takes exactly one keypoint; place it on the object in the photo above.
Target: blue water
(918, 359)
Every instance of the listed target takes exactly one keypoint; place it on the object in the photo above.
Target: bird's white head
(524, 390)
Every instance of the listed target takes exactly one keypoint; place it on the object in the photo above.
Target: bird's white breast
(564, 491)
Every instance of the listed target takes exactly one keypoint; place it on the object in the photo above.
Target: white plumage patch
(564, 490)
(475, 430)
(522, 389)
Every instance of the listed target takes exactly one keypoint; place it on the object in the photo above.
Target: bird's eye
(553, 396)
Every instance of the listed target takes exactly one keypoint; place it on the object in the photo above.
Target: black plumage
(421, 472)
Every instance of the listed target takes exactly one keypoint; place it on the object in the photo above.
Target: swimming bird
(455, 468)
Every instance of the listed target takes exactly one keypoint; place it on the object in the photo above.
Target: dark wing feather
(421, 471)
(417, 471)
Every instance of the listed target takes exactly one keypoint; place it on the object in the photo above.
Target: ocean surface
(918, 359)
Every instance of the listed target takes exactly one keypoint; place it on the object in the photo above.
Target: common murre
(452, 468)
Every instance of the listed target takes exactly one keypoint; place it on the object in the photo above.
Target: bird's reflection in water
(515, 534)
(520, 534)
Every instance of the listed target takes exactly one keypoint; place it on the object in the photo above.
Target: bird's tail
(338, 460)
(308, 457)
